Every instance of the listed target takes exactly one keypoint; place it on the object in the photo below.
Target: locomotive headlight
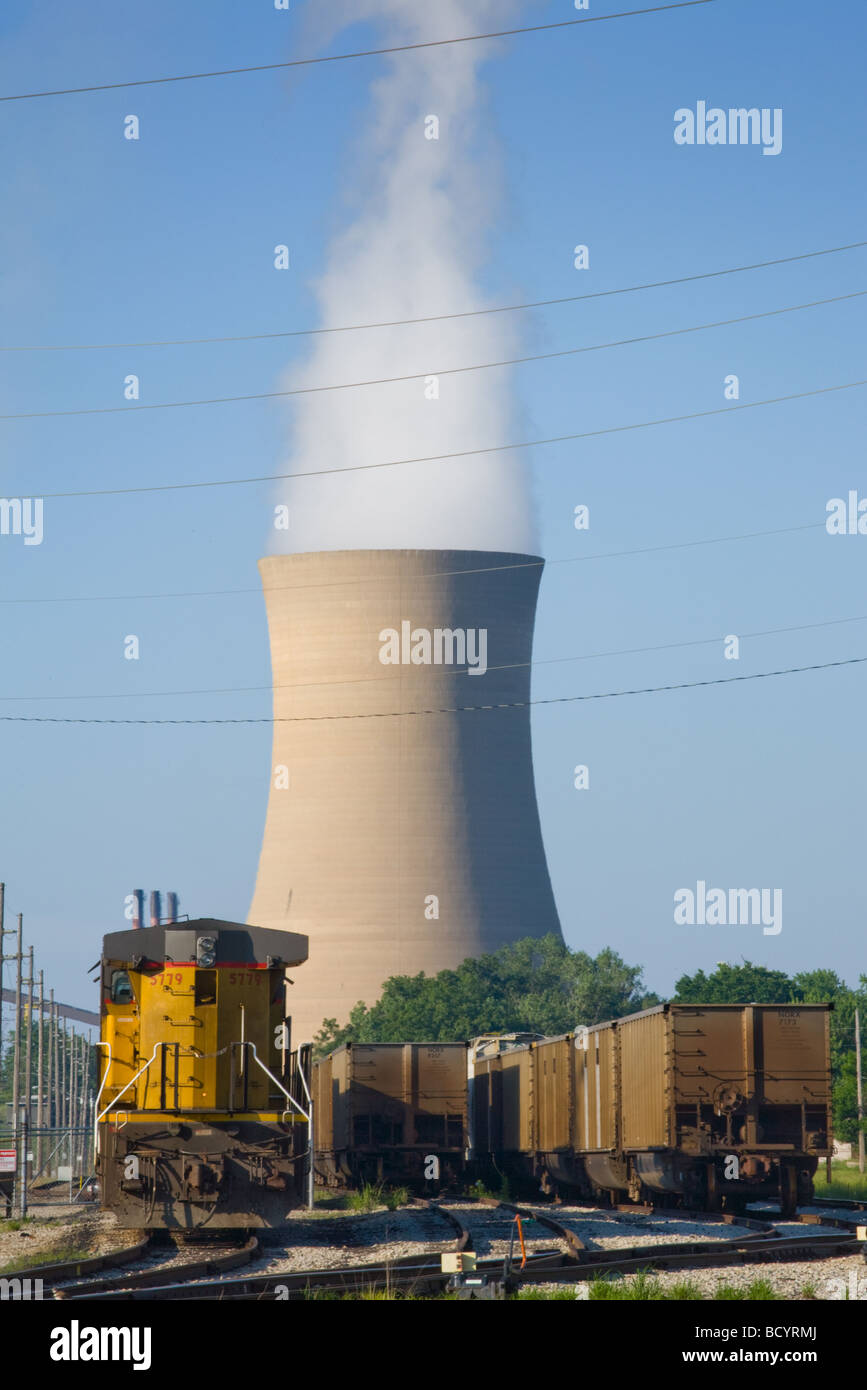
(206, 951)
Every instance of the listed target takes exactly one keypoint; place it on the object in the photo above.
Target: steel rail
(161, 1278)
(88, 1264)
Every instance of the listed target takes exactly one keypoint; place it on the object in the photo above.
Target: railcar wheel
(713, 1198)
(788, 1189)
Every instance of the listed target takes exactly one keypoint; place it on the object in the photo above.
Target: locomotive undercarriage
(183, 1175)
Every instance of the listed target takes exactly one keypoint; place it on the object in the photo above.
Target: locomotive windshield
(121, 988)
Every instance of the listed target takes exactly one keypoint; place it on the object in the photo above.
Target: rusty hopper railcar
(704, 1105)
(383, 1110)
(202, 1114)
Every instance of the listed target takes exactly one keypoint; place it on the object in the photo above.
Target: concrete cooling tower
(399, 840)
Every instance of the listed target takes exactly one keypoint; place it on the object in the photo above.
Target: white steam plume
(425, 218)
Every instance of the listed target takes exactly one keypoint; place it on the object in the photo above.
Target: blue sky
(105, 240)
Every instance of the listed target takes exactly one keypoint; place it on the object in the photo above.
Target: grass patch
(759, 1291)
(644, 1287)
(34, 1259)
(545, 1295)
(376, 1294)
(480, 1190)
(374, 1195)
(16, 1223)
(845, 1182)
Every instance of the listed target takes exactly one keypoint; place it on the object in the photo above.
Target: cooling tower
(401, 835)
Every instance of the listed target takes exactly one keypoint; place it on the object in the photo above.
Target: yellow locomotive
(202, 1115)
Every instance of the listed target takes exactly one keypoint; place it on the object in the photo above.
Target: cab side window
(121, 988)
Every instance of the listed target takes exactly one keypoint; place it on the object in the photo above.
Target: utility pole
(28, 1084)
(16, 1056)
(2, 934)
(57, 1076)
(52, 1050)
(67, 1075)
(82, 1105)
(61, 1073)
(860, 1092)
(40, 1075)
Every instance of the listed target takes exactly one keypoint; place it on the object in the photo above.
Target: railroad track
(754, 1240)
(760, 1243)
(74, 1269)
(167, 1275)
(184, 1282)
(71, 1272)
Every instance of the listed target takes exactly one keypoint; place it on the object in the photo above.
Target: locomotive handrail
(277, 1083)
(99, 1093)
(131, 1082)
(300, 1071)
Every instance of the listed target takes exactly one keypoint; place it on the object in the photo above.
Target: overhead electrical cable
(433, 574)
(454, 709)
(432, 318)
(429, 371)
(358, 53)
(458, 671)
(457, 454)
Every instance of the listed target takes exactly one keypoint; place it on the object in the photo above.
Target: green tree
(535, 985)
(735, 984)
(817, 986)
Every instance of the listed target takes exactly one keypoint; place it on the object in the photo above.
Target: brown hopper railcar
(705, 1106)
(383, 1111)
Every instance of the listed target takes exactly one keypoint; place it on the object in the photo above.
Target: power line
(434, 318)
(433, 574)
(456, 709)
(359, 53)
(458, 454)
(433, 371)
(458, 671)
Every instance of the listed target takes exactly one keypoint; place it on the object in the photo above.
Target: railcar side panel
(554, 1094)
(645, 1080)
(596, 1089)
